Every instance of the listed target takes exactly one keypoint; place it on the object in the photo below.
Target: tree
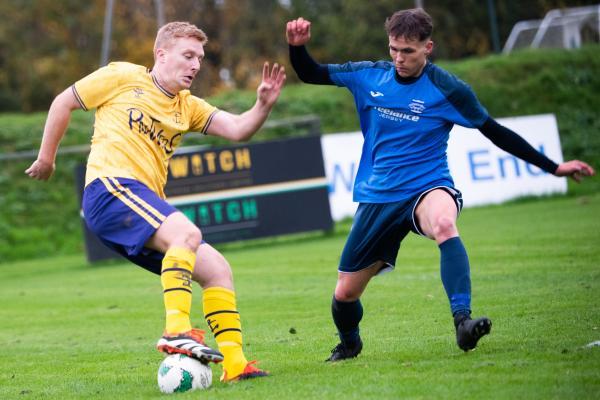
(46, 45)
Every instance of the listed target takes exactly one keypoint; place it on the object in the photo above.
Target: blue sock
(456, 276)
(347, 316)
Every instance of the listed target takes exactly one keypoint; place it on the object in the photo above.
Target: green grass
(73, 331)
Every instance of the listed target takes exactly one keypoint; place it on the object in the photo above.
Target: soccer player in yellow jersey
(141, 116)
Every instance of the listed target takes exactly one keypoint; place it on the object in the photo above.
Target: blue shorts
(124, 214)
(379, 228)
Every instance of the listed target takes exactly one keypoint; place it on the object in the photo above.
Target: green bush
(42, 218)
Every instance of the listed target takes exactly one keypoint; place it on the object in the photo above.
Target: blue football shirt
(406, 125)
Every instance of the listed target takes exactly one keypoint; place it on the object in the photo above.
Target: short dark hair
(413, 24)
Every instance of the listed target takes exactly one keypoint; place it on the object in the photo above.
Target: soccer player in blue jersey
(407, 107)
(141, 117)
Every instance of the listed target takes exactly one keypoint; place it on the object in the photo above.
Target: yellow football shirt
(138, 123)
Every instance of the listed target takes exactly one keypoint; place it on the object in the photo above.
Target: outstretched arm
(57, 121)
(298, 34)
(514, 144)
(241, 127)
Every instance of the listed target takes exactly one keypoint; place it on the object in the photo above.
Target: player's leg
(128, 217)
(213, 273)
(436, 215)
(372, 246)
(178, 238)
(347, 310)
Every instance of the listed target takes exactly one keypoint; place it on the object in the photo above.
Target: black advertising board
(245, 191)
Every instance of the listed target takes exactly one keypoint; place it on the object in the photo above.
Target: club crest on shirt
(177, 117)
(417, 106)
(138, 92)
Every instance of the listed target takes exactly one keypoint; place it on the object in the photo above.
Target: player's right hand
(40, 170)
(297, 32)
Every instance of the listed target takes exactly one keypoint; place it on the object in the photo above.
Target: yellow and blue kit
(138, 126)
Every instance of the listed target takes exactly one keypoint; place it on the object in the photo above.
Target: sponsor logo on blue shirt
(396, 115)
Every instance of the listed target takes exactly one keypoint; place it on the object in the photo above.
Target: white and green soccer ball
(180, 373)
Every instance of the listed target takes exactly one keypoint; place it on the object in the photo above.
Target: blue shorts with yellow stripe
(124, 214)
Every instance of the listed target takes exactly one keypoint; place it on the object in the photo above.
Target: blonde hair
(174, 30)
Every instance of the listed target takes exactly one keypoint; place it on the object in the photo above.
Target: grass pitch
(71, 331)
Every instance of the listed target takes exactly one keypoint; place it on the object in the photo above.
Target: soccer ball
(180, 373)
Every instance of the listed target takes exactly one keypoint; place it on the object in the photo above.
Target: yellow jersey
(138, 123)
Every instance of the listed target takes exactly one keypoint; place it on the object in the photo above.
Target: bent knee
(346, 293)
(190, 237)
(444, 228)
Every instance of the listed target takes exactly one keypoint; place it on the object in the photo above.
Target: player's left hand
(272, 81)
(575, 169)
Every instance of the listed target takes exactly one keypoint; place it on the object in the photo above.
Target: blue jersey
(406, 125)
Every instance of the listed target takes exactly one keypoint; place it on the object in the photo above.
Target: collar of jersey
(162, 89)
(412, 79)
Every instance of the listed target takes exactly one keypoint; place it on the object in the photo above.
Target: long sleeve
(514, 144)
(308, 70)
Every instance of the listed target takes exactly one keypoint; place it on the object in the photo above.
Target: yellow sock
(176, 279)
(223, 319)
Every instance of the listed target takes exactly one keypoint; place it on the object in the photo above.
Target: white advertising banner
(484, 173)
(341, 154)
(487, 175)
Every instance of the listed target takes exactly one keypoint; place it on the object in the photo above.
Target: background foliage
(40, 218)
(46, 45)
